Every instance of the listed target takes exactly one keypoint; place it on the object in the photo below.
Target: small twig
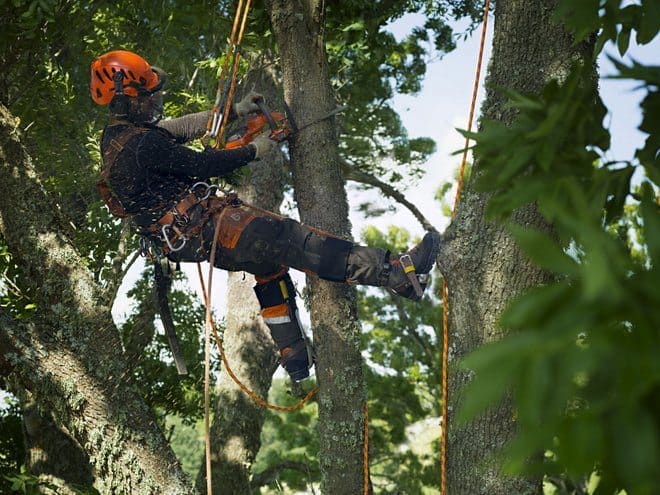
(408, 326)
(352, 173)
(113, 289)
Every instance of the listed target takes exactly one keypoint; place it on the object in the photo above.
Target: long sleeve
(187, 128)
(191, 126)
(166, 157)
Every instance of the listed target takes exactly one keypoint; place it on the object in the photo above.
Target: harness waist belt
(181, 208)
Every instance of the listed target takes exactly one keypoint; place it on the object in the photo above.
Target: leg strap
(334, 259)
(277, 291)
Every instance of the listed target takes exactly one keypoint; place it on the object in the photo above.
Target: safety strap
(410, 271)
(277, 291)
(111, 153)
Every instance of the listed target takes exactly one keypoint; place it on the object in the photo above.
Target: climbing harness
(176, 227)
(445, 296)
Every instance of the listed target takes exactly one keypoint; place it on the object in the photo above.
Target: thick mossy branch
(69, 353)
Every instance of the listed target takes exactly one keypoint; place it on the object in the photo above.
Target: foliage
(289, 436)
(12, 452)
(155, 373)
(369, 66)
(581, 358)
(28, 484)
(613, 20)
(187, 441)
(14, 293)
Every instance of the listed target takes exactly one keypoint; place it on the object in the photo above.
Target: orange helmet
(138, 74)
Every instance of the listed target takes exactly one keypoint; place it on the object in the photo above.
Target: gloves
(247, 104)
(263, 145)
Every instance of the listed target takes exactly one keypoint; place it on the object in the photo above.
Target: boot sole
(433, 253)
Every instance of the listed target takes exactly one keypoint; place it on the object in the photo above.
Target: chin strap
(119, 103)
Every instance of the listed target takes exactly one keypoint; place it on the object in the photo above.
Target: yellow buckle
(409, 270)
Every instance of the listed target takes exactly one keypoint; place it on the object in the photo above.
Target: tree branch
(352, 173)
(272, 473)
(69, 353)
(411, 330)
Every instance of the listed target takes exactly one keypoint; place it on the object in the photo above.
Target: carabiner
(182, 239)
(209, 188)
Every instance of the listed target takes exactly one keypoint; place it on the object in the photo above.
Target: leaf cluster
(369, 66)
(155, 373)
(289, 436)
(581, 359)
(613, 20)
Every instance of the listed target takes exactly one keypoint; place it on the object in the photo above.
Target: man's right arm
(157, 152)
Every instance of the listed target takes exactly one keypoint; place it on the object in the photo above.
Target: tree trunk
(69, 353)
(321, 198)
(238, 420)
(483, 266)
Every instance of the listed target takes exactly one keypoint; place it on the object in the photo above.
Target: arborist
(149, 176)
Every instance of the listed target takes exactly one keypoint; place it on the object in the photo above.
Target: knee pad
(334, 259)
(258, 241)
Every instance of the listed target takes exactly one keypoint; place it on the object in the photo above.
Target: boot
(406, 274)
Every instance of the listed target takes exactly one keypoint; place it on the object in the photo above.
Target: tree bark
(237, 419)
(321, 199)
(69, 354)
(483, 266)
(45, 441)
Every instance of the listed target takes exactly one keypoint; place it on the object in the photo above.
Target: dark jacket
(153, 171)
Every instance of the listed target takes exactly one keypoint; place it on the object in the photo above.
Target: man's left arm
(193, 126)
(187, 128)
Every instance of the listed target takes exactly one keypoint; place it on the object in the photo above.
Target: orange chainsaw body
(258, 124)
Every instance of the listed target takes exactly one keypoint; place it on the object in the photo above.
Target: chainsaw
(282, 127)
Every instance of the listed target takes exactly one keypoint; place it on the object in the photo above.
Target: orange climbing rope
(445, 303)
(215, 126)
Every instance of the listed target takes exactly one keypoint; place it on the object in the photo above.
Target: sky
(436, 111)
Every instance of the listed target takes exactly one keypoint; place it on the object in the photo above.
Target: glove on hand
(247, 104)
(263, 145)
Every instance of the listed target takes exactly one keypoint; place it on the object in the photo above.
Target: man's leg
(277, 298)
(256, 236)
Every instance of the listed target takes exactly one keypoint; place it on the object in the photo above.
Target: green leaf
(636, 449)
(651, 215)
(356, 26)
(649, 23)
(543, 250)
(536, 306)
(493, 374)
(618, 189)
(623, 40)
